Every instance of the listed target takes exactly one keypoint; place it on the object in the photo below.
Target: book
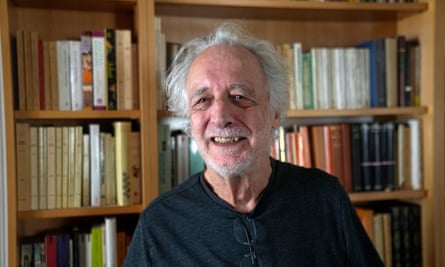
(63, 250)
(377, 71)
(23, 169)
(109, 167)
(95, 177)
(111, 68)
(63, 75)
(87, 69)
(375, 154)
(26, 255)
(366, 165)
(298, 74)
(42, 167)
(51, 250)
(21, 79)
(356, 160)
(78, 161)
(388, 155)
(308, 97)
(415, 153)
(34, 166)
(53, 69)
(99, 73)
(96, 246)
(86, 175)
(164, 158)
(336, 152)
(51, 166)
(59, 166)
(391, 71)
(346, 156)
(71, 159)
(124, 69)
(45, 65)
(195, 160)
(110, 241)
(135, 170)
(75, 75)
(122, 130)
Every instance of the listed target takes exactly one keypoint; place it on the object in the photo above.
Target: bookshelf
(315, 24)
(61, 20)
(333, 24)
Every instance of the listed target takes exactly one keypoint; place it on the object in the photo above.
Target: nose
(222, 113)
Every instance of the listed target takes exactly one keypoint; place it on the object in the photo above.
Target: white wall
(3, 185)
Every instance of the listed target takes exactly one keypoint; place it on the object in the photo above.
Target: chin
(235, 167)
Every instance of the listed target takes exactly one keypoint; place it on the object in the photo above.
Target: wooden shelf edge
(84, 114)
(357, 112)
(318, 113)
(393, 195)
(303, 5)
(79, 212)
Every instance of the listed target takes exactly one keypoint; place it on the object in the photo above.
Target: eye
(239, 97)
(200, 103)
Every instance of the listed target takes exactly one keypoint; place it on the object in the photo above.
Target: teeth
(226, 140)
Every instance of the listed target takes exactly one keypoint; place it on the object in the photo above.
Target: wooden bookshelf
(328, 24)
(61, 20)
(342, 24)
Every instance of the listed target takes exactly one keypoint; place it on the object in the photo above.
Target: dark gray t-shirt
(303, 218)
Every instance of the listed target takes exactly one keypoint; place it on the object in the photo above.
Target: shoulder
(175, 198)
(296, 175)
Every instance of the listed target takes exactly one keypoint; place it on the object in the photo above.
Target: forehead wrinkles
(231, 67)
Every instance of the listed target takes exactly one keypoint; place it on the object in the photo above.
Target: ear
(276, 119)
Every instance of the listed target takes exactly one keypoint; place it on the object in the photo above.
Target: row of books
(101, 245)
(97, 71)
(395, 230)
(178, 157)
(382, 72)
(68, 167)
(364, 156)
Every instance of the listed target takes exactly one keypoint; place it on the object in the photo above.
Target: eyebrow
(243, 88)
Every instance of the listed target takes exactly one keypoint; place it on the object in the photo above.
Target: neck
(242, 192)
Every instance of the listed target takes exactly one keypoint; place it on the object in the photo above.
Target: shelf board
(326, 113)
(79, 212)
(396, 111)
(96, 5)
(285, 9)
(392, 195)
(87, 114)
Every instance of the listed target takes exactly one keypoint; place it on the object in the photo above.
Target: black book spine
(355, 133)
(365, 158)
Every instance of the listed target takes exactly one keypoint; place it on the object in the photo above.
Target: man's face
(230, 117)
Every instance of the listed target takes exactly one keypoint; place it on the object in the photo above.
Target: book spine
(75, 70)
(42, 166)
(23, 166)
(63, 75)
(122, 132)
(87, 70)
(51, 166)
(99, 73)
(110, 40)
(124, 71)
(95, 165)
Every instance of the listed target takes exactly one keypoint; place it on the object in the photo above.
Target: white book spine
(416, 161)
(110, 242)
(95, 177)
(99, 74)
(63, 75)
(75, 71)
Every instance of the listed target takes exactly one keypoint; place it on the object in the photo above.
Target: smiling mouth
(226, 140)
